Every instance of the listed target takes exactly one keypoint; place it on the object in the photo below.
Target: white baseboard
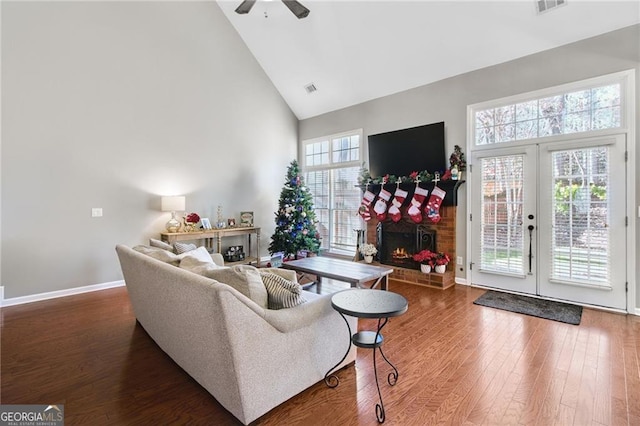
(462, 281)
(55, 294)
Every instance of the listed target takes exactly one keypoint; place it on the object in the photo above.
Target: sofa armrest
(291, 319)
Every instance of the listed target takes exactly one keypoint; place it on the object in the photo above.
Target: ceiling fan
(294, 6)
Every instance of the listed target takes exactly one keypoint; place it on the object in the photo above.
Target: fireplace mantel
(449, 186)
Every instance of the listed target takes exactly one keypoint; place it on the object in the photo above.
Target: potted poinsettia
(426, 258)
(441, 261)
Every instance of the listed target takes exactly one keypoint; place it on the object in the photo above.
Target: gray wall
(447, 100)
(112, 104)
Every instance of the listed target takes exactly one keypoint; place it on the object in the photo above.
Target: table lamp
(173, 204)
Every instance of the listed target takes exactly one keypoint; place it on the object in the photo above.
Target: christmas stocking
(433, 206)
(398, 198)
(416, 203)
(364, 205)
(381, 205)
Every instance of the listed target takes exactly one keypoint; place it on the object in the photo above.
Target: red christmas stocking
(398, 198)
(381, 205)
(416, 203)
(364, 205)
(433, 206)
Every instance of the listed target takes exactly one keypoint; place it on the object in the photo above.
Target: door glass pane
(501, 223)
(580, 216)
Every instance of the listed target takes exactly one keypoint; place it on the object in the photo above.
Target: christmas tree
(295, 219)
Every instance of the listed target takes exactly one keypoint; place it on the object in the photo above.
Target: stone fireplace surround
(445, 241)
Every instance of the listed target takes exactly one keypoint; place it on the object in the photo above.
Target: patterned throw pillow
(282, 292)
(183, 247)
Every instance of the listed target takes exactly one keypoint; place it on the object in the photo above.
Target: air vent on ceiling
(310, 88)
(545, 5)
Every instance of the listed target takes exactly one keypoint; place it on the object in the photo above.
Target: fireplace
(398, 242)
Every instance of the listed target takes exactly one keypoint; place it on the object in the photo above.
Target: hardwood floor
(459, 364)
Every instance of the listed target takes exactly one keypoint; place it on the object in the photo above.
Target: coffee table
(354, 273)
(368, 303)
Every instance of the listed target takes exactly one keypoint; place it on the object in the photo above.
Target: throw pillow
(282, 293)
(160, 244)
(158, 253)
(244, 278)
(183, 247)
(193, 264)
(199, 253)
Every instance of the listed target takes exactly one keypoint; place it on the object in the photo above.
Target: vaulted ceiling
(354, 51)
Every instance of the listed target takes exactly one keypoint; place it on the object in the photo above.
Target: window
(331, 167)
(584, 110)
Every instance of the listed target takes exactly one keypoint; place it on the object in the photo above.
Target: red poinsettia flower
(192, 218)
(413, 175)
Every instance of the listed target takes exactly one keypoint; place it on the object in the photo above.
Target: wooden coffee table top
(354, 273)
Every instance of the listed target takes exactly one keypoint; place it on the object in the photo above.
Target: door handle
(530, 228)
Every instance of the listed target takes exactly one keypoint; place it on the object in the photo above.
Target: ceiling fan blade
(294, 6)
(245, 6)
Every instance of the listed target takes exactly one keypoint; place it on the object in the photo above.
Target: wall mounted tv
(401, 152)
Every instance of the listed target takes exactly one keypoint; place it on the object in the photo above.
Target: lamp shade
(173, 204)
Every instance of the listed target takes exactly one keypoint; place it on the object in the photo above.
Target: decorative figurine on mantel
(458, 163)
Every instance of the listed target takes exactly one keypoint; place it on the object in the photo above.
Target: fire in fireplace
(398, 242)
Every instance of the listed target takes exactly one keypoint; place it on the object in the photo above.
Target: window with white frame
(331, 167)
(584, 110)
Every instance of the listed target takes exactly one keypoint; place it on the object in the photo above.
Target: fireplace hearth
(398, 242)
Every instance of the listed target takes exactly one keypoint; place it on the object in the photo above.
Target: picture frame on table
(206, 224)
(246, 219)
(231, 222)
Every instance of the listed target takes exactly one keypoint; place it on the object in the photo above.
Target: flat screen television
(401, 152)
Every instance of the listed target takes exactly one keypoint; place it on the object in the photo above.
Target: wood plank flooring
(459, 364)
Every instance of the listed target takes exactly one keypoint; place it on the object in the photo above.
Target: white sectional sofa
(251, 359)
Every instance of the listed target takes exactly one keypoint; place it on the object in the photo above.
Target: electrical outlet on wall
(96, 212)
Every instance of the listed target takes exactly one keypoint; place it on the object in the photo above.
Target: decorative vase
(368, 259)
(440, 269)
(425, 268)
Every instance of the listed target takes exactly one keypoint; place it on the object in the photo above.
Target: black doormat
(548, 309)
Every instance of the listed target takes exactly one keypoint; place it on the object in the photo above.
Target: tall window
(331, 167)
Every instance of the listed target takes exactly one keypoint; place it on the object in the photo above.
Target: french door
(549, 220)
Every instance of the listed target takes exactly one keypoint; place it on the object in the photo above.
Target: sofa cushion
(282, 293)
(244, 278)
(199, 253)
(158, 253)
(183, 247)
(160, 244)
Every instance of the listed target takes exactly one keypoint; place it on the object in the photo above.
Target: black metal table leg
(330, 379)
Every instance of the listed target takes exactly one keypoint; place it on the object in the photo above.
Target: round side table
(368, 303)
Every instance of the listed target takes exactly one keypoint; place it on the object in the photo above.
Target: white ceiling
(355, 51)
